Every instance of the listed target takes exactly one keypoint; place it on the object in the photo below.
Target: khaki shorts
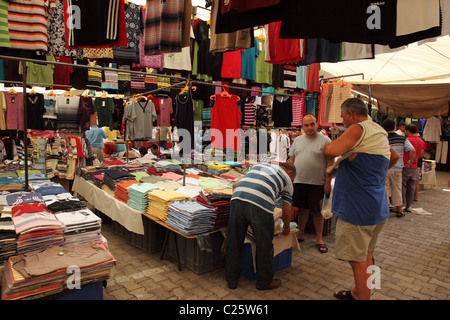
(394, 187)
(354, 242)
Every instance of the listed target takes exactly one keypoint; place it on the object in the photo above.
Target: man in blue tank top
(359, 197)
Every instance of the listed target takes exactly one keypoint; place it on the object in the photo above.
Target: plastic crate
(193, 257)
(281, 261)
(152, 239)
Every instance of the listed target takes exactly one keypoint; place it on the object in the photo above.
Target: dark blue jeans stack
(242, 215)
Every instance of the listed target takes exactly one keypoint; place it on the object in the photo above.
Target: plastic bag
(325, 205)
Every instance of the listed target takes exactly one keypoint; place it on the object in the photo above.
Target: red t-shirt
(225, 115)
(231, 64)
(419, 145)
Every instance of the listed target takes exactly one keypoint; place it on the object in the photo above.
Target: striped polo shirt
(262, 185)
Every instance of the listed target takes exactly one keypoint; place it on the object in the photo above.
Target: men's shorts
(353, 242)
(307, 196)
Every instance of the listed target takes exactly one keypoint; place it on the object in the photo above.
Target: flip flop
(322, 248)
(344, 295)
(400, 214)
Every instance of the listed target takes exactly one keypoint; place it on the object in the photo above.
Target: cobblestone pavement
(413, 254)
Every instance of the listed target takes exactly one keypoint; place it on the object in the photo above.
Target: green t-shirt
(105, 109)
(41, 73)
(263, 69)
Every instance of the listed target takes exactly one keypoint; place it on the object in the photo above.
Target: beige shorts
(354, 242)
(394, 187)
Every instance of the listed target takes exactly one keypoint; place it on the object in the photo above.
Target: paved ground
(413, 254)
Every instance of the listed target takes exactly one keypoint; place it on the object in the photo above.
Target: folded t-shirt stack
(159, 200)
(190, 217)
(10, 184)
(8, 239)
(61, 205)
(19, 197)
(49, 188)
(96, 177)
(121, 192)
(37, 230)
(222, 208)
(112, 176)
(80, 226)
(138, 195)
(42, 273)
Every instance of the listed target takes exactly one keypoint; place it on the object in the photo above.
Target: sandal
(322, 248)
(344, 295)
(400, 214)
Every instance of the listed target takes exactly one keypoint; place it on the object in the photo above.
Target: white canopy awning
(420, 62)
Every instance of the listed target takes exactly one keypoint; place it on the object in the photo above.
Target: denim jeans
(242, 215)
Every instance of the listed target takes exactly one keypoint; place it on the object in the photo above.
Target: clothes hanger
(32, 91)
(51, 93)
(68, 93)
(12, 90)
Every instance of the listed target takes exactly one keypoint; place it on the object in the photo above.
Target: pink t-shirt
(14, 111)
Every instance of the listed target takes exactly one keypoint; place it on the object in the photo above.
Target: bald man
(311, 182)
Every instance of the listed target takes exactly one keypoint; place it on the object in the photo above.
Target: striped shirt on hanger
(262, 185)
(27, 22)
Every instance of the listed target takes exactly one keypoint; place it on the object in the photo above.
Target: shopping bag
(325, 205)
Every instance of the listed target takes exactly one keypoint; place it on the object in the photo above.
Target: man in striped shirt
(252, 204)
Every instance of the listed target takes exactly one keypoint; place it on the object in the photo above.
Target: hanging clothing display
(282, 111)
(222, 42)
(163, 26)
(14, 111)
(105, 110)
(140, 115)
(100, 24)
(185, 115)
(225, 118)
(67, 112)
(298, 111)
(280, 50)
(27, 23)
(85, 109)
(35, 111)
(133, 24)
(341, 92)
(432, 130)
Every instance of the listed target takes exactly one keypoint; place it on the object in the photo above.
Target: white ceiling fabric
(415, 63)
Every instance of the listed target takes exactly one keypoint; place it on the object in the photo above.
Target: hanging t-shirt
(14, 111)
(27, 22)
(298, 111)
(225, 118)
(163, 27)
(165, 109)
(4, 35)
(222, 42)
(231, 64)
(40, 73)
(118, 113)
(282, 111)
(67, 112)
(282, 50)
(185, 116)
(61, 76)
(248, 62)
(263, 70)
(140, 115)
(105, 109)
(35, 111)
(85, 109)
